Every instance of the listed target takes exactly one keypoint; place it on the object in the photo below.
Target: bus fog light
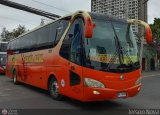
(96, 92)
(93, 83)
(139, 81)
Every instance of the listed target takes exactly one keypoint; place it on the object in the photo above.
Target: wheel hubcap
(54, 89)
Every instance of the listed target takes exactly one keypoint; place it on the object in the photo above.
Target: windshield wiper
(120, 49)
(118, 45)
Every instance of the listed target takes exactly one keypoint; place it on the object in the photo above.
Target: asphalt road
(27, 97)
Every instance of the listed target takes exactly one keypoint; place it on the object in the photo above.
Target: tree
(156, 29)
(7, 35)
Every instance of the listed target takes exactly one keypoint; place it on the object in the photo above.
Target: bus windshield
(112, 48)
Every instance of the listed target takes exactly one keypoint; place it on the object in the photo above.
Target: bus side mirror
(148, 35)
(88, 28)
(148, 30)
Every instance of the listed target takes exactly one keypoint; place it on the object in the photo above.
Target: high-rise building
(128, 9)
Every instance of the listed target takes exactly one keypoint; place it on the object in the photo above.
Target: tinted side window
(13, 44)
(61, 27)
(24, 41)
(52, 32)
(32, 39)
(71, 34)
(10, 46)
(45, 36)
(76, 46)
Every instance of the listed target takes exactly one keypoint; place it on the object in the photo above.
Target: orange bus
(84, 56)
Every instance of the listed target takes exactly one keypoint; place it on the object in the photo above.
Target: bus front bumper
(98, 94)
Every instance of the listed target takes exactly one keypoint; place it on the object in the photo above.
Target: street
(26, 97)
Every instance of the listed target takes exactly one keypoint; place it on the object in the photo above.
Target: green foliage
(156, 29)
(7, 35)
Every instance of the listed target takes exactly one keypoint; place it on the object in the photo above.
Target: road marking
(157, 75)
(4, 95)
(7, 89)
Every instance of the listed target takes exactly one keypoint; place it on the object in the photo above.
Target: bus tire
(15, 78)
(53, 89)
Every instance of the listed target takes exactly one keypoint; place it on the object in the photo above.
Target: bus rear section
(95, 58)
(2, 70)
(3, 56)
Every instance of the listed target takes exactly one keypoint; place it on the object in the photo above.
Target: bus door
(23, 69)
(72, 50)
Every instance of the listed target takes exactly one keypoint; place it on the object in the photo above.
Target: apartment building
(128, 9)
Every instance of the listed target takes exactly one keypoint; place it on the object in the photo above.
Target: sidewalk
(149, 73)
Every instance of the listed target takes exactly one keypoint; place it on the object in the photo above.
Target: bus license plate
(121, 94)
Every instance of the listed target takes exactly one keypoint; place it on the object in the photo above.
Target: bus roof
(106, 17)
(93, 15)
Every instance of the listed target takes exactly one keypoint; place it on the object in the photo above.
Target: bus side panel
(66, 79)
(30, 68)
(35, 69)
(19, 67)
(36, 75)
(14, 62)
(57, 69)
(9, 66)
(63, 80)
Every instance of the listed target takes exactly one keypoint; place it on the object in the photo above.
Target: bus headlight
(93, 83)
(139, 81)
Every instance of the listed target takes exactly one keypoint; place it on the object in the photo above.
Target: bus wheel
(15, 78)
(53, 89)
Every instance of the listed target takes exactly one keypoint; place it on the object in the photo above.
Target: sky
(11, 18)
